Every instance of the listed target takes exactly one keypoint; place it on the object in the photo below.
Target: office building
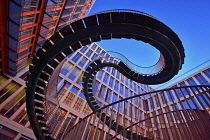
(72, 104)
(24, 26)
(28, 26)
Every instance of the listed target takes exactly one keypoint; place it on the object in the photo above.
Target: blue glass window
(126, 81)
(113, 71)
(105, 78)
(99, 75)
(83, 49)
(131, 84)
(69, 10)
(93, 47)
(135, 89)
(151, 103)
(114, 98)
(116, 85)
(120, 104)
(122, 78)
(102, 54)
(94, 57)
(130, 93)
(201, 79)
(202, 101)
(82, 1)
(82, 95)
(178, 91)
(170, 96)
(184, 90)
(102, 92)
(98, 50)
(87, 64)
(156, 101)
(75, 16)
(121, 89)
(70, 2)
(207, 73)
(184, 103)
(78, 9)
(76, 57)
(82, 62)
(95, 87)
(118, 75)
(196, 103)
(66, 68)
(162, 97)
(59, 79)
(192, 82)
(111, 80)
(126, 92)
(108, 96)
(74, 90)
(74, 73)
(60, 87)
(108, 69)
(88, 54)
(139, 90)
(135, 100)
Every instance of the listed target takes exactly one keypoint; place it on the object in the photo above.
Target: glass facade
(30, 23)
(110, 86)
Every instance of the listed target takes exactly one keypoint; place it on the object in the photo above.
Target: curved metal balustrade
(95, 28)
(125, 10)
(177, 113)
(149, 70)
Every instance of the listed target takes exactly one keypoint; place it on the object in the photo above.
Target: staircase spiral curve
(105, 25)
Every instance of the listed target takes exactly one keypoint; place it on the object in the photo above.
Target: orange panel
(39, 22)
(47, 36)
(49, 19)
(44, 30)
(21, 48)
(22, 56)
(51, 27)
(24, 37)
(61, 24)
(25, 26)
(25, 13)
(69, 6)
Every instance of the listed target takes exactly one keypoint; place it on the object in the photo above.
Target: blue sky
(190, 19)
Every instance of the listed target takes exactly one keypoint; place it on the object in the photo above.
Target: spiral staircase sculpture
(101, 26)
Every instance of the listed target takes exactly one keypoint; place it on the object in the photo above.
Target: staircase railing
(178, 113)
(115, 57)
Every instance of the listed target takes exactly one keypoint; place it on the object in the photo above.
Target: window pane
(108, 96)
(8, 90)
(116, 85)
(14, 104)
(76, 57)
(207, 73)
(66, 68)
(111, 81)
(201, 79)
(74, 73)
(101, 93)
(82, 62)
(105, 78)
